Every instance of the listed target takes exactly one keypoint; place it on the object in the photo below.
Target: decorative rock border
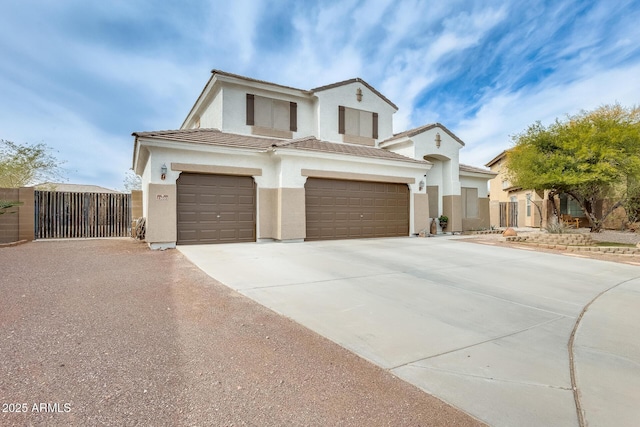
(575, 244)
(484, 232)
(570, 239)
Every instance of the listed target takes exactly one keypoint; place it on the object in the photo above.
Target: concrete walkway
(484, 328)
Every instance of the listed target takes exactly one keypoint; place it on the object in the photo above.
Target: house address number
(162, 197)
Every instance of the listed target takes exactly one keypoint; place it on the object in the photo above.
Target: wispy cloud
(81, 76)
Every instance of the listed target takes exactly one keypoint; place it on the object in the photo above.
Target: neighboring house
(517, 207)
(258, 161)
(72, 188)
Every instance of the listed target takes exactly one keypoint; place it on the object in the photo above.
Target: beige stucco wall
(494, 213)
(136, 204)
(267, 212)
(291, 219)
(161, 215)
(420, 212)
(483, 220)
(18, 223)
(26, 229)
(10, 221)
(452, 208)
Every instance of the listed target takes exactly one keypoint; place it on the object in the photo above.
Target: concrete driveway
(485, 328)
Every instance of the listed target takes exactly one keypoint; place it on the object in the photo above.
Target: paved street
(484, 328)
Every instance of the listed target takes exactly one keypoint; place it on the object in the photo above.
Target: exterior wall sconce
(359, 94)
(163, 171)
(421, 185)
(438, 140)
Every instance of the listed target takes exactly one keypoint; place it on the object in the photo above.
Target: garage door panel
(353, 209)
(215, 208)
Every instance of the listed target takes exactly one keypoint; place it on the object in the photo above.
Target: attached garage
(215, 209)
(341, 209)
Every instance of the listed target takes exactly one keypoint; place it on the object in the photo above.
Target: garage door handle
(361, 216)
(217, 216)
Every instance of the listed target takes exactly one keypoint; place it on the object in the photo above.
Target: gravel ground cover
(616, 236)
(604, 236)
(106, 332)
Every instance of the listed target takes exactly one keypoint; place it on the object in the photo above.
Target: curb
(8, 245)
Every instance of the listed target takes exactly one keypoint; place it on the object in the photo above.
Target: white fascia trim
(486, 176)
(386, 144)
(207, 148)
(300, 93)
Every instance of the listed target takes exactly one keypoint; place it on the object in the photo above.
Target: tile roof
(317, 89)
(216, 137)
(73, 188)
(210, 137)
(416, 131)
(497, 158)
(313, 144)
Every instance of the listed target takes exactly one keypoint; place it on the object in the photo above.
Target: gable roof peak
(416, 131)
(354, 80)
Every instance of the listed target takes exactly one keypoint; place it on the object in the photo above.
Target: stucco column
(452, 208)
(26, 229)
(161, 226)
(420, 212)
(291, 219)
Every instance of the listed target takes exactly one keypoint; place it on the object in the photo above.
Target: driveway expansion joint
(478, 343)
(462, 374)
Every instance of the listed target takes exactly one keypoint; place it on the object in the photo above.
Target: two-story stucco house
(258, 161)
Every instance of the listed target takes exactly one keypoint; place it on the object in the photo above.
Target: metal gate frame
(64, 215)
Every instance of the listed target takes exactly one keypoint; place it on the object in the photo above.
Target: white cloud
(545, 62)
(502, 115)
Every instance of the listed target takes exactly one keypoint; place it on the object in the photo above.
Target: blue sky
(81, 76)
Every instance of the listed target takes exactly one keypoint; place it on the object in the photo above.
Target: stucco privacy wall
(18, 224)
(483, 219)
(484, 214)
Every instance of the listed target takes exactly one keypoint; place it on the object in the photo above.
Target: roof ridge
(251, 79)
(418, 130)
(354, 80)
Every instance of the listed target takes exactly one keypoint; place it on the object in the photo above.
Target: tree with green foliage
(132, 181)
(27, 164)
(592, 156)
(5, 205)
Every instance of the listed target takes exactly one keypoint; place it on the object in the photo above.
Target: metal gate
(508, 214)
(64, 215)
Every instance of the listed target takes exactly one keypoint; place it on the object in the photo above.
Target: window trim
(342, 122)
(260, 130)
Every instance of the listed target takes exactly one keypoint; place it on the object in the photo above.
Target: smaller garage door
(216, 209)
(338, 209)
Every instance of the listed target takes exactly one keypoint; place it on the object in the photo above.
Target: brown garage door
(337, 209)
(216, 209)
